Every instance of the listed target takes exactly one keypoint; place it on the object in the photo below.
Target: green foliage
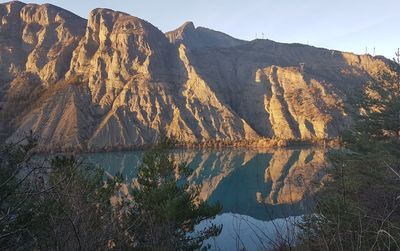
(166, 210)
(359, 209)
(57, 205)
(64, 204)
(77, 210)
(13, 177)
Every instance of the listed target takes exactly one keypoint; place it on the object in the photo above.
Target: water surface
(261, 192)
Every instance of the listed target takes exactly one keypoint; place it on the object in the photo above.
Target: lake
(262, 192)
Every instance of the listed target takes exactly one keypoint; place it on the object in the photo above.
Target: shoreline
(263, 144)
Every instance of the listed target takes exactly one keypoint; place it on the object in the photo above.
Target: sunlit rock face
(289, 91)
(38, 39)
(115, 81)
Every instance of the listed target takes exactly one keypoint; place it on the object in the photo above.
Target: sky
(348, 25)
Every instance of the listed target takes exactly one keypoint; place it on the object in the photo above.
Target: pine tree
(166, 209)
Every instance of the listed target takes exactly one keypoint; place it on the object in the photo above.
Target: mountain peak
(14, 3)
(201, 37)
(42, 15)
(106, 11)
(12, 7)
(184, 31)
(187, 26)
(119, 20)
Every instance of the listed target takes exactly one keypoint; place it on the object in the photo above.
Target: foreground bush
(63, 204)
(359, 209)
(57, 205)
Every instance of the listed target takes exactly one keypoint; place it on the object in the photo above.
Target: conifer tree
(166, 209)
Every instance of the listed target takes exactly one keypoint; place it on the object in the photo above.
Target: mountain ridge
(115, 81)
(200, 37)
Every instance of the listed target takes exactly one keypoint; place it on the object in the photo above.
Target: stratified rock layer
(116, 81)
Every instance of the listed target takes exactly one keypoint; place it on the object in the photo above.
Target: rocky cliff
(116, 81)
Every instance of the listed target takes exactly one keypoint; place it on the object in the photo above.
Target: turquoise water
(260, 191)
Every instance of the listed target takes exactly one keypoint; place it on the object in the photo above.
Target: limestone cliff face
(38, 39)
(290, 91)
(116, 81)
(303, 110)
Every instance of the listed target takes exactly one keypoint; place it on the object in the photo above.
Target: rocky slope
(116, 81)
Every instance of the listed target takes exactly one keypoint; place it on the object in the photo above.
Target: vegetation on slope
(359, 209)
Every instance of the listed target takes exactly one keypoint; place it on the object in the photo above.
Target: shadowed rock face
(201, 37)
(116, 81)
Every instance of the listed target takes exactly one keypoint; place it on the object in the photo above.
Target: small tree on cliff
(397, 56)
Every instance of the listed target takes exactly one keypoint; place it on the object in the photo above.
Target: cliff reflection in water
(263, 185)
